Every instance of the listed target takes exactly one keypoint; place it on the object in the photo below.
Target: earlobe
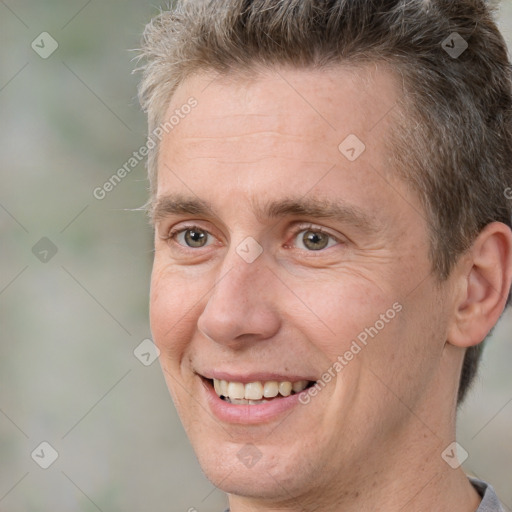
(485, 279)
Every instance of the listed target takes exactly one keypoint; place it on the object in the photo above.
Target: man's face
(261, 287)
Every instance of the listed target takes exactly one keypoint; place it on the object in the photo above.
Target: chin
(244, 470)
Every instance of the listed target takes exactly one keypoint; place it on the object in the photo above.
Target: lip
(254, 377)
(248, 414)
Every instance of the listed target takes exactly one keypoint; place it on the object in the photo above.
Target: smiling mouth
(255, 393)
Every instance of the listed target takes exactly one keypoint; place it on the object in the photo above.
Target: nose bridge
(237, 281)
(241, 283)
(247, 263)
(240, 303)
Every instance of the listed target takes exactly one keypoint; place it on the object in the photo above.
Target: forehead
(335, 100)
(284, 127)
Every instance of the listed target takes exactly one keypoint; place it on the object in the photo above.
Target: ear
(484, 277)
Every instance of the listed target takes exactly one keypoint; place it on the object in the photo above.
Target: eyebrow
(178, 204)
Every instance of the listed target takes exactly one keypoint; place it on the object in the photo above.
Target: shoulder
(490, 502)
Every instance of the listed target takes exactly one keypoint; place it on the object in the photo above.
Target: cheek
(173, 306)
(337, 310)
(403, 359)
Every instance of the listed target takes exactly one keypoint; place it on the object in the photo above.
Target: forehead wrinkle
(259, 135)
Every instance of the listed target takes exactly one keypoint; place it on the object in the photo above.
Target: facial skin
(372, 438)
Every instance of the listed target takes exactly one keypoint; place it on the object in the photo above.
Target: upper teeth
(257, 390)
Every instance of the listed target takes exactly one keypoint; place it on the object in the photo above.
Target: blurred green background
(70, 321)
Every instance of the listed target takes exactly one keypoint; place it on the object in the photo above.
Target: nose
(242, 305)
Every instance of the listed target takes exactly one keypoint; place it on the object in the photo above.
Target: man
(332, 242)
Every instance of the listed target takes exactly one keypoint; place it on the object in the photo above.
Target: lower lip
(249, 414)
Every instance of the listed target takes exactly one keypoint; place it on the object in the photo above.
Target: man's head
(452, 139)
(336, 195)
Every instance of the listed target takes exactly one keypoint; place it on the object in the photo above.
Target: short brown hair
(452, 142)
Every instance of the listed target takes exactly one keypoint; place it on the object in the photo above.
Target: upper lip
(247, 377)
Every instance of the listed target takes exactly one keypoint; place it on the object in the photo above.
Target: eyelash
(310, 227)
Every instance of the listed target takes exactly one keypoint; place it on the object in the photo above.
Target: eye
(314, 239)
(310, 239)
(191, 236)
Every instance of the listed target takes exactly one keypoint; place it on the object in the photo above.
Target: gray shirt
(490, 502)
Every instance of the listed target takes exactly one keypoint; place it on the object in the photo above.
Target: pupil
(195, 238)
(314, 240)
